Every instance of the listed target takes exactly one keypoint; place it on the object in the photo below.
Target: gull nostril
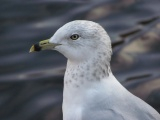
(43, 43)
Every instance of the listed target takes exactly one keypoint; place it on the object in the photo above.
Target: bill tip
(32, 49)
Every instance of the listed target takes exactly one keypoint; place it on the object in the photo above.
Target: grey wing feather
(102, 115)
(135, 109)
(146, 112)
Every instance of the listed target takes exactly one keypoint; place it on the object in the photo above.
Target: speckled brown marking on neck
(94, 70)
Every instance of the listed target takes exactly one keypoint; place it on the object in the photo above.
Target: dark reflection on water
(31, 84)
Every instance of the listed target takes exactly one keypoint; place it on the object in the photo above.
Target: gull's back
(118, 105)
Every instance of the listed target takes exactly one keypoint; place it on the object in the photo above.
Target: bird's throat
(81, 74)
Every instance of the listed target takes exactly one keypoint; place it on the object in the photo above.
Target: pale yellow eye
(74, 37)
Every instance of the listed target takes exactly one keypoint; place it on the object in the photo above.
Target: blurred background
(31, 85)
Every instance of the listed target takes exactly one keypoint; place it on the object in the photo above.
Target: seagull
(91, 92)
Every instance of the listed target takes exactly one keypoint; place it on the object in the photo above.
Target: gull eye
(74, 36)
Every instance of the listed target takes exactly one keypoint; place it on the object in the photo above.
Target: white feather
(91, 92)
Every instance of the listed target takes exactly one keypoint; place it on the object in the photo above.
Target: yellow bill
(43, 45)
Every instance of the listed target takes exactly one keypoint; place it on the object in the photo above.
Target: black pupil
(74, 37)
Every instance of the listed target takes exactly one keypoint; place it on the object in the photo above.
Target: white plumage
(91, 92)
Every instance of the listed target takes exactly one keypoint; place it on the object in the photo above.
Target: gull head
(79, 40)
